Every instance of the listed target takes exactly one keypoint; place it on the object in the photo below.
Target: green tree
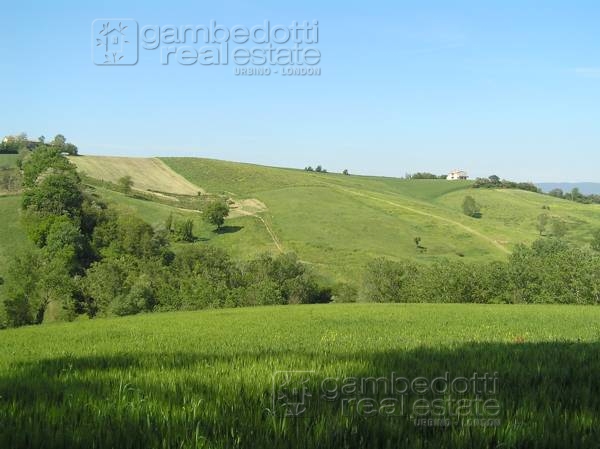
(215, 213)
(56, 193)
(388, 281)
(470, 207)
(557, 193)
(59, 141)
(42, 160)
(22, 302)
(125, 184)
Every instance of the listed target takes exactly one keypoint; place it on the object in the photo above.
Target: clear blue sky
(505, 87)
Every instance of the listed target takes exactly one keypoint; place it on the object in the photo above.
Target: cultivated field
(147, 174)
(205, 379)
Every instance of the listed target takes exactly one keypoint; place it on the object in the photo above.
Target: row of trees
(494, 182)
(21, 143)
(575, 195)
(549, 271)
(318, 169)
(90, 259)
(424, 175)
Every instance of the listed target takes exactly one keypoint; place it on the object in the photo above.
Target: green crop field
(206, 379)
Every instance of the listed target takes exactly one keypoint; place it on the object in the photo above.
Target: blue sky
(505, 87)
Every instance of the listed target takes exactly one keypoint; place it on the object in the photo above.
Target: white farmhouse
(455, 175)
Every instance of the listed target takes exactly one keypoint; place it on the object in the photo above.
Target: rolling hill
(335, 223)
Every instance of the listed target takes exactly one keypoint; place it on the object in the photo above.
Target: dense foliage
(494, 182)
(549, 271)
(90, 259)
(575, 195)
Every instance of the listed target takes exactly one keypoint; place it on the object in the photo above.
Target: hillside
(337, 222)
(334, 222)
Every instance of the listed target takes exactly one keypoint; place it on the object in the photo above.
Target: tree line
(550, 271)
(21, 144)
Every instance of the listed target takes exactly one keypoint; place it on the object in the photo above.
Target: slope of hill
(337, 223)
(146, 173)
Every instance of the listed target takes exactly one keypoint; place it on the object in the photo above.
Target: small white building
(456, 175)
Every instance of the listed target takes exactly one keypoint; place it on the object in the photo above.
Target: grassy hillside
(206, 379)
(146, 173)
(336, 223)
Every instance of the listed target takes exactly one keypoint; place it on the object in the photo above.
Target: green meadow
(206, 379)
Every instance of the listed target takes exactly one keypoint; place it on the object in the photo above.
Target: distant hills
(587, 188)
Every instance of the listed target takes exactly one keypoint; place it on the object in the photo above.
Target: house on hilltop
(456, 175)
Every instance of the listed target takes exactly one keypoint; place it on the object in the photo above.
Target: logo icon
(114, 42)
(291, 393)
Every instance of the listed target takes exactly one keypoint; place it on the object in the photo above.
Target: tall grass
(205, 379)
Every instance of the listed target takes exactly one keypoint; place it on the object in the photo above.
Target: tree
(494, 179)
(575, 194)
(346, 172)
(542, 222)
(42, 139)
(309, 168)
(125, 184)
(38, 162)
(215, 213)
(557, 193)
(23, 305)
(319, 169)
(59, 141)
(57, 192)
(470, 207)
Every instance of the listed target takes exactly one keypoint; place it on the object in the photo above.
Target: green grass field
(337, 222)
(206, 379)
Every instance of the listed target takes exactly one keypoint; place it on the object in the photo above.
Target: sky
(497, 87)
